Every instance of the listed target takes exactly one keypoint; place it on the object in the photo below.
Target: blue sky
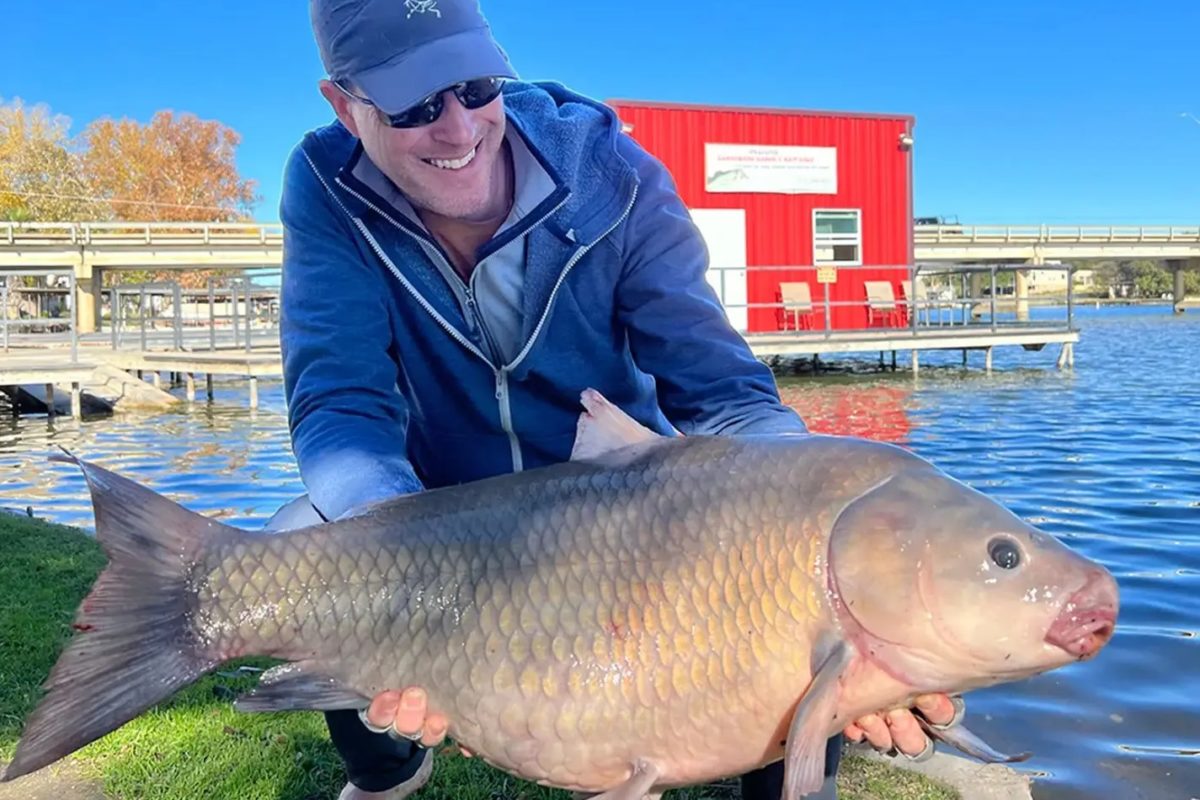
(1027, 112)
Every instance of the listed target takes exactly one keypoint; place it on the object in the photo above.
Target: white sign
(777, 169)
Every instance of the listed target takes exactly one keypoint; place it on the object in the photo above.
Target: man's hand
(404, 715)
(899, 729)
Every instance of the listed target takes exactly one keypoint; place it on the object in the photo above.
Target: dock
(188, 364)
(47, 371)
(231, 329)
(962, 338)
(50, 367)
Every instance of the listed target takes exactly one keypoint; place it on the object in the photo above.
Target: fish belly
(569, 624)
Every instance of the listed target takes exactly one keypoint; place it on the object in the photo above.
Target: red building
(778, 193)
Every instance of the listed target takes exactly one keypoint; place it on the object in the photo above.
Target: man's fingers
(906, 732)
(937, 708)
(435, 730)
(853, 733)
(877, 731)
(382, 710)
(410, 716)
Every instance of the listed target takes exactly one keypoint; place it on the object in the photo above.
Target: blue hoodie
(390, 389)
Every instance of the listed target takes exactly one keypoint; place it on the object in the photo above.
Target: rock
(122, 390)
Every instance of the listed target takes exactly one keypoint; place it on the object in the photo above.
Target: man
(463, 254)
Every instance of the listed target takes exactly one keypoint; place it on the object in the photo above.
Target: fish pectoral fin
(297, 687)
(804, 755)
(636, 786)
(960, 737)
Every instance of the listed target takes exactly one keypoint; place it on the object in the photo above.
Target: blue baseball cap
(398, 52)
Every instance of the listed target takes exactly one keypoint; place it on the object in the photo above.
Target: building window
(837, 237)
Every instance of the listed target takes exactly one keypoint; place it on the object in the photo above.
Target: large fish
(646, 616)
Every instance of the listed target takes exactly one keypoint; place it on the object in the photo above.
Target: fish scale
(611, 665)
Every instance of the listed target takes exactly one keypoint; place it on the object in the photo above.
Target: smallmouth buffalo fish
(657, 612)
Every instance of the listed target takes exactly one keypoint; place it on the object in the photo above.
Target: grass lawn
(195, 746)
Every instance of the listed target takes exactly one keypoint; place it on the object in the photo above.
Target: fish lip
(1083, 632)
(1087, 620)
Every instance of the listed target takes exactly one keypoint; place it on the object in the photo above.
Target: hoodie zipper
(500, 374)
(578, 254)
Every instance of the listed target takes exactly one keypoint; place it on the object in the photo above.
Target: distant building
(779, 193)
(1054, 281)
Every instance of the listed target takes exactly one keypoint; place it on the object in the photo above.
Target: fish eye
(1004, 552)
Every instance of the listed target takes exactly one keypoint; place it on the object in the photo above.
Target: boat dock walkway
(962, 338)
(150, 333)
(43, 369)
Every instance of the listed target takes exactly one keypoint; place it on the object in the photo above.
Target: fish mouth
(1083, 639)
(1088, 619)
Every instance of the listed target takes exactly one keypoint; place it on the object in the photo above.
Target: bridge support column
(977, 301)
(98, 297)
(1021, 293)
(87, 297)
(1021, 287)
(1179, 293)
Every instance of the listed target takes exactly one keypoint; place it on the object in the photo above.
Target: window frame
(834, 239)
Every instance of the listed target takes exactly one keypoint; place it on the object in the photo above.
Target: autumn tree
(175, 168)
(41, 174)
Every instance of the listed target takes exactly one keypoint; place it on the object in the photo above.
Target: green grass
(195, 746)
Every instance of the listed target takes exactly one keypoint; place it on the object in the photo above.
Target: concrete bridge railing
(1079, 234)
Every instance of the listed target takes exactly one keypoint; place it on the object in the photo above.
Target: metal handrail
(964, 304)
(271, 233)
(72, 321)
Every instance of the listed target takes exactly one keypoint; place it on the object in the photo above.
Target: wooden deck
(47, 367)
(18, 370)
(948, 337)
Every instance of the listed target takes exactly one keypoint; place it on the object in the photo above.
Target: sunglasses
(472, 94)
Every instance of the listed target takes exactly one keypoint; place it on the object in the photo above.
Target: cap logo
(422, 7)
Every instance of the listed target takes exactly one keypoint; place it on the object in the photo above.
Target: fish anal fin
(804, 755)
(300, 687)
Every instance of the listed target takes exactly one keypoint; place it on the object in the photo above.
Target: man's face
(453, 166)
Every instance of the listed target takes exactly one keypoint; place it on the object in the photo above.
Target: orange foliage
(178, 168)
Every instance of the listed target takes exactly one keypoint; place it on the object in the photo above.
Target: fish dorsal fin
(603, 429)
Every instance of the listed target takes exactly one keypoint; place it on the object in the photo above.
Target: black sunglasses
(472, 94)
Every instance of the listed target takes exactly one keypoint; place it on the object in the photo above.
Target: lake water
(1106, 456)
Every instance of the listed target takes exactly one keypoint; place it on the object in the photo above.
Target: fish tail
(134, 645)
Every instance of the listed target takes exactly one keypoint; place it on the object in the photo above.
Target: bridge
(90, 248)
(1037, 244)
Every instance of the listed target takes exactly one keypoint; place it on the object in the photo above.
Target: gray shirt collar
(533, 183)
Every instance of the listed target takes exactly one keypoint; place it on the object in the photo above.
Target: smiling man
(464, 253)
